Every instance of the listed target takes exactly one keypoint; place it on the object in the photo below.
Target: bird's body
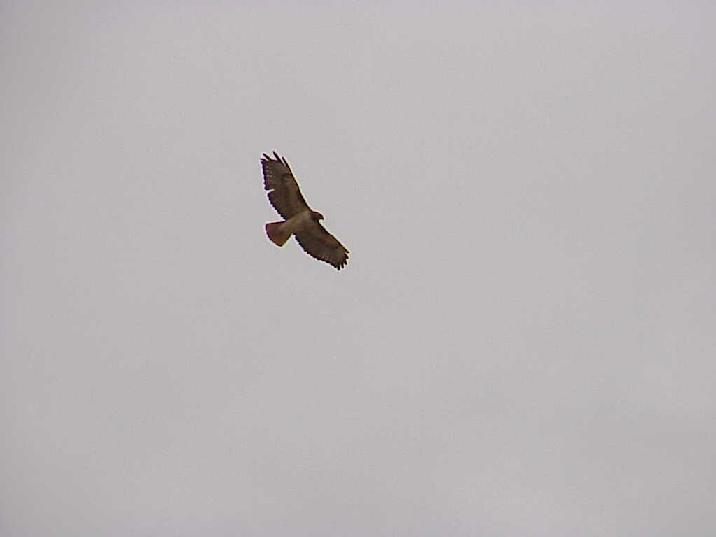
(300, 220)
(280, 232)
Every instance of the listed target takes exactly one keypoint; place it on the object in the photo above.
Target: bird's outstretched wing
(284, 193)
(317, 242)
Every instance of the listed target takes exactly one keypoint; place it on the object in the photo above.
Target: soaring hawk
(300, 220)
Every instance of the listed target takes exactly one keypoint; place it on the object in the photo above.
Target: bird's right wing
(284, 193)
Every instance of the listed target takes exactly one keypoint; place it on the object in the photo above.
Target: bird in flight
(300, 220)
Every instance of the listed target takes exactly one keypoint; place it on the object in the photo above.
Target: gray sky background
(522, 344)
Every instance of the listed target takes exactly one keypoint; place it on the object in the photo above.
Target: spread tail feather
(277, 233)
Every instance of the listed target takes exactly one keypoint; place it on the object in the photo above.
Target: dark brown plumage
(300, 220)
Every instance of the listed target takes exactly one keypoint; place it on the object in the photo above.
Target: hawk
(300, 220)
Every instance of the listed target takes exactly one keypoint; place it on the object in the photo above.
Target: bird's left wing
(317, 242)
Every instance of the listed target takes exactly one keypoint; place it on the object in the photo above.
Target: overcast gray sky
(522, 343)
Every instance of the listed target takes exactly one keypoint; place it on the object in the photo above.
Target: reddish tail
(276, 233)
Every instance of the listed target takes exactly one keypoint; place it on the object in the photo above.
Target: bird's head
(316, 216)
